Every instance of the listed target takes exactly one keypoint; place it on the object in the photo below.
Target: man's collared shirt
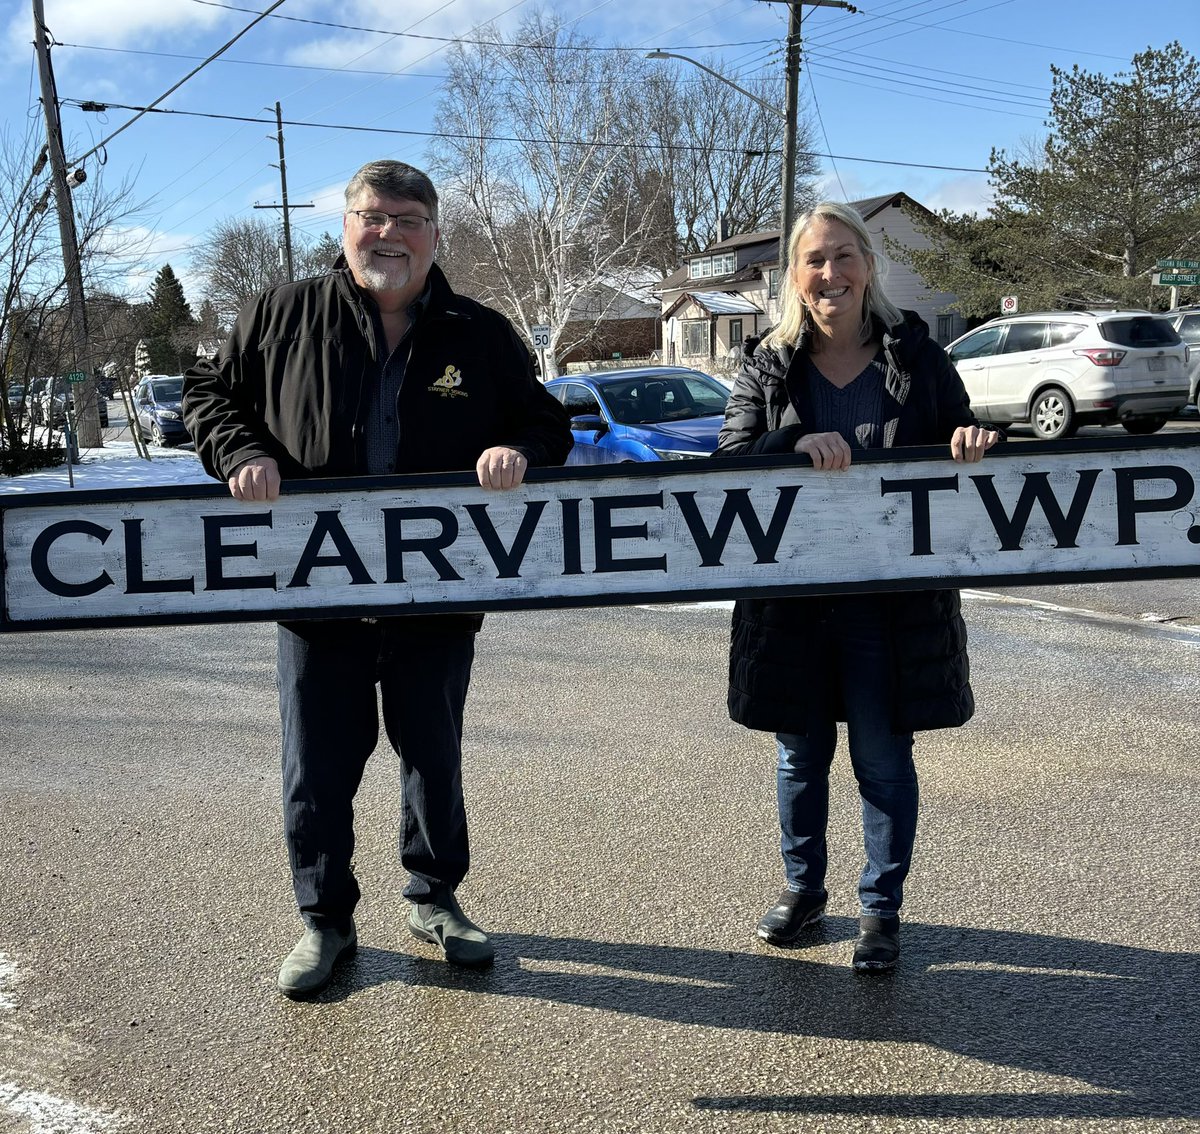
(382, 431)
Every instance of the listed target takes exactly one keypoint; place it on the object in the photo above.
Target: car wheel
(1143, 426)
(156, 434)
(1052, 415)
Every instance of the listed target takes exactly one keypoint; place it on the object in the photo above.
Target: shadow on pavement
(1122, 1020)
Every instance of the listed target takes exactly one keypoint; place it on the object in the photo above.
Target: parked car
(1186, 323)
(16, 402)
(658, 413)
(159, 414)
(54, 399)
(1058, 370)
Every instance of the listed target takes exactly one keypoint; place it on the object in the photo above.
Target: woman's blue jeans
(851, 675)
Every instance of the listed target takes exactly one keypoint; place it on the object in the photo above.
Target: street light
(789, 142)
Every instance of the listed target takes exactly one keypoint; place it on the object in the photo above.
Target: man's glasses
(405, 222)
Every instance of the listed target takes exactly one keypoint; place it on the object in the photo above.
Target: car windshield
(1139, 331)
(648, 399)
(168, 391)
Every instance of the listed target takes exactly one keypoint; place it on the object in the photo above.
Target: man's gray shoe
(309, 966)
(445, 925)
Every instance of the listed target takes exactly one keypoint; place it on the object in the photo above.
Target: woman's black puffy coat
(769, 411)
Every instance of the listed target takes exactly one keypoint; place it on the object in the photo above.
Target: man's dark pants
(327, 675)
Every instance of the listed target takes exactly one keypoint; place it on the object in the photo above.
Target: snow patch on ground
(47, 1114)
(117, 465)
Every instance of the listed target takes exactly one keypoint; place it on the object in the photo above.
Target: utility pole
(791, 102)
(287, 220)
(83, 392)
(791, 106)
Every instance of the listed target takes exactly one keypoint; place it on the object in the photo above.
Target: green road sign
(76, 376)
(1176, 279)
(1189, 265)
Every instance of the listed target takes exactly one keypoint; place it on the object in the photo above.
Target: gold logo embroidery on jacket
(448, 384)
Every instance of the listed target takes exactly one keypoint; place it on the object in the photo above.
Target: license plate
(1157, 363)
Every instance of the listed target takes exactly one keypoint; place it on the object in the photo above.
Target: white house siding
(904, 287)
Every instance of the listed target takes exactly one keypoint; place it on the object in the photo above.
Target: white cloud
(114, 23)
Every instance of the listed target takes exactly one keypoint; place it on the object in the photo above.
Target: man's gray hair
(393, 179)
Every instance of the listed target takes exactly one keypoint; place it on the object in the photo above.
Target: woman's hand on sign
(501, 467)
(827, 450)
(255, 479)
(970, 442)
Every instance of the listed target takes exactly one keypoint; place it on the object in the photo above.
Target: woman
(844, 370)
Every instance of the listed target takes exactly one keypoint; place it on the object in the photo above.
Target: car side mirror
(589, 421)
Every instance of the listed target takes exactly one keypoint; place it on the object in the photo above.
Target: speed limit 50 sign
(539, 335)
(1008, 305)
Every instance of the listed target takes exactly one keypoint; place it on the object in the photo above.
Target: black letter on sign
(215, 552)
(1128, 505)
(711, 545)
(605, 533)
(920, 489)
(1036, 488)
(39, 558)
(430, 546)
(329, 524)
(572, 558)
(507, 561)
(135, 580)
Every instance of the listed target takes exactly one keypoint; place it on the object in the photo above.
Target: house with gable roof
(730, 291)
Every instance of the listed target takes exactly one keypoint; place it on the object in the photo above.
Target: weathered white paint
(664, 533)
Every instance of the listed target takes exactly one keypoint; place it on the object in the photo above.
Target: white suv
(1059, 370)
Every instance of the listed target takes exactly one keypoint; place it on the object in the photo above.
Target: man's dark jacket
(295, 380)
(770, 660)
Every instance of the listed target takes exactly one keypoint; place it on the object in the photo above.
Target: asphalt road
(624, 846)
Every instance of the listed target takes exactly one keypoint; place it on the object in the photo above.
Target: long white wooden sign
(636, 533)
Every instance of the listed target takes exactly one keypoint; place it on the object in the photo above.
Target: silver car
(1186, 322)
(1058, 370)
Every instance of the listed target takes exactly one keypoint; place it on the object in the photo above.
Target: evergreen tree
(1083, 219)
(170, 326)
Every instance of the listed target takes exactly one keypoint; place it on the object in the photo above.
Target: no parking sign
(1008, 305)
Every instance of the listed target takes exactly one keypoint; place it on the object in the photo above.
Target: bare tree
(34, 340)
(722, 155)
(535, 148)
(238, 258)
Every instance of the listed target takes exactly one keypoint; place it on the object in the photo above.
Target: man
(376, 368)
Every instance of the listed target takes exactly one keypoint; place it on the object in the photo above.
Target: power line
(194, 71)
(503, 138)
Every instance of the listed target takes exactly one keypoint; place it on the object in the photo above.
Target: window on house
(706, 267)
(695, 337)
(693, 269)
(773, 284)
(945, 329)
(735, 332)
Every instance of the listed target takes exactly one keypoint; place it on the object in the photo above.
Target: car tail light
(1103, 356)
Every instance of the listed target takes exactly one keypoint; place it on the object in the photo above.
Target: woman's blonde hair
(794, 317)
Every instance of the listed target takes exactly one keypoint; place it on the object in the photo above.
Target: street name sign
(1175, 279)
(1190, 265)
(713, 528)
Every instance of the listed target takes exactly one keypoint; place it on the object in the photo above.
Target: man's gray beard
(375, 278)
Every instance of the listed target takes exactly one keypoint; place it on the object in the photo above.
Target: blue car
(159, 414)
(658, 413)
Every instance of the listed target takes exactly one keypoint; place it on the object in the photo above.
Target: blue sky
(929, 82)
